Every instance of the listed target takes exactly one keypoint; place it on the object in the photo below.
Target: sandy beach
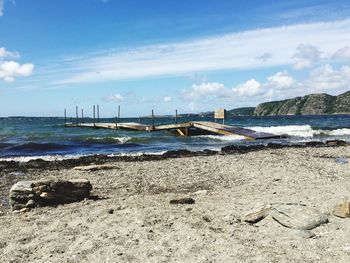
(133, 221)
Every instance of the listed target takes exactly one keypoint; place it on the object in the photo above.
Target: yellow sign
(220, 114)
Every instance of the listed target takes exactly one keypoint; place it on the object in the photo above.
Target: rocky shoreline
(10, 166)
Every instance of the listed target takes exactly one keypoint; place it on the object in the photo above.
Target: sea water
(25, 138)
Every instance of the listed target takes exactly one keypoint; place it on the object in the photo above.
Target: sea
(27, 138)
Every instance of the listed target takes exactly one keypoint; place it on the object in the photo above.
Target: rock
(182, 201)
(297, 216)
(342, 210)
(30, 194)
(341, 160)
(110, 211)
(96, 167)
(336, 143)
(206, 218)
(30, 204)
(258, 213)
(294, 216)
(24, 210)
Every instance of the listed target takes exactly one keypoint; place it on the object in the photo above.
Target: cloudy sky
(161, 54)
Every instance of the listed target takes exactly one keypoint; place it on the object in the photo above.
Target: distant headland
(312, 104)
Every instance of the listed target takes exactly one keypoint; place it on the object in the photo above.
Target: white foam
(227, 138)
(25, 159)
(136, 154)
(121, 140)
(339, 132)
(291, 130)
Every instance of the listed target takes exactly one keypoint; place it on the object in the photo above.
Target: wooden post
(65, 117)
(152, 119)
(175, 116)
(118, 114)
(76, 114)
(82, 115)
(98, 113)
(139, 119)
(94, 116)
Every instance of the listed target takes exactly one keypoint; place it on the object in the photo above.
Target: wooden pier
(183, 129)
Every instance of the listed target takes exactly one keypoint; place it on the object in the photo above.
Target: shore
(133, 221)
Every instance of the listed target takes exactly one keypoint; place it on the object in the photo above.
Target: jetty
(183, 129)
(190, 128)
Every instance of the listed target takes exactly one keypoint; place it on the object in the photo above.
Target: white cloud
(248, 88)
(342, 53)
(205, 89)
(280, 80)
(306, 56)
(167, 99)
(231, 51)
(8, 54)
(9, 70)
(1, 7)
(115, 97)
(278, 86)
(325, 78)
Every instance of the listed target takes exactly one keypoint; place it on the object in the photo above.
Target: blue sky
(188, 55)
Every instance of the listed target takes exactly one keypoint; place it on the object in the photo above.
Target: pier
(183, 129)
(190, 128)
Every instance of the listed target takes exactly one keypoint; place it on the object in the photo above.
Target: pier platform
(183, 129)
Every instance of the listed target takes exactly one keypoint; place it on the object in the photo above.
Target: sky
(194, 56)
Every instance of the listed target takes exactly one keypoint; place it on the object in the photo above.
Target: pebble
(110, 211)
(182, 201)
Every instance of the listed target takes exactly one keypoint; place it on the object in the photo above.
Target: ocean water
(24, 138)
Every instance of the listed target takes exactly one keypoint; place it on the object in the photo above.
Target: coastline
(133, 221)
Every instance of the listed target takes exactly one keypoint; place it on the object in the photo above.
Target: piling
(94, 109)
(153, 120)
(82, 115)
(118, 119)
(98, 113)
(76, 115)
(65, 117)
(175, 116)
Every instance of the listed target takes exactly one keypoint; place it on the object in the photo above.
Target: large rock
(289, 215)
(29, 194)
(298, 216)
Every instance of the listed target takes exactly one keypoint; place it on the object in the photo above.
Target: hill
(313, 104)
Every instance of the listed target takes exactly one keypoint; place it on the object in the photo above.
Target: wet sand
(133, 220)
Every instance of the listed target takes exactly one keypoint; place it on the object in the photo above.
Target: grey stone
(298, 216)
(294, 216)
(256, 214)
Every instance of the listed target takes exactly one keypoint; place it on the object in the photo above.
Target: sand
(133, 220)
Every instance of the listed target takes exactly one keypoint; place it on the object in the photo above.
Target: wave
(25, 159)
(340, 132)
(305, 131)
(120, 140)
(227, 138)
